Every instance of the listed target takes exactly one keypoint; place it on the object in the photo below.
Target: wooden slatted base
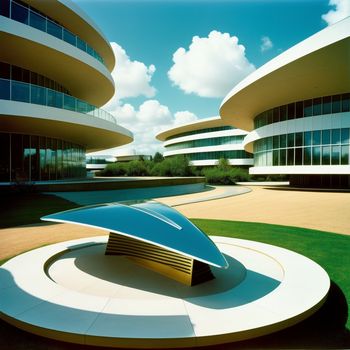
(161, 260)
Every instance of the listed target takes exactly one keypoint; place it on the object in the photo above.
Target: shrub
(136, 168)
(174, 166)
(114, 169)
(230, 176)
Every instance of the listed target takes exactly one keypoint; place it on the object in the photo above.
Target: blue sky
(148, 33)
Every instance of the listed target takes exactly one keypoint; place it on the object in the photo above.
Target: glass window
(37, 21)
(20, 91)
(326, 137)
(5, 8)
(335, 155)
(270, 116)
(299, 139)
(291, 111)
(344, 135)
(81, 44)
(307, 138)
(283, 113)
(336, 105)
(69, 102)
(308, 108)
(307, 156)
(345, 103)
(345, 155)
(54, 29)
(290, 156)
(316, 137)
(276, 115)
(327, 104)
(275, 157)
(326, 155)
(69, 37)
(290, 140)
(4, 156)
(4, 89)
(317, 106)
(335, 136)
(298, 156)
(283, 141)
(282, 157)
(38, 95)
(5, 70)
(299, 113)
(19, 13)
(316, 155)
(276, 141)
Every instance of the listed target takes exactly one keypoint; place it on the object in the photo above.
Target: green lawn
(27, 208)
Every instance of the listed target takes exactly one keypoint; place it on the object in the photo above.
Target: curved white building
(55, 73)
(206, 141)
(297, 111)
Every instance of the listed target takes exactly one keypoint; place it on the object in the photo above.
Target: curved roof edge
(304, 71)
(211, 122)
(78, 22)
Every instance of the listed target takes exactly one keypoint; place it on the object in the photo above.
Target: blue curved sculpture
(138, 227)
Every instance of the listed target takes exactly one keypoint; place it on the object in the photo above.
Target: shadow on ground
(324, 330)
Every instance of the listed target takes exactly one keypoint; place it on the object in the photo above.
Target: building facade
(206, 141)
(297, 111)
(55, 73)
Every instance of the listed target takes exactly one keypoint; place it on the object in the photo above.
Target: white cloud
(211, 66)
(341, 10)
(266, 44)
(150, 118)
(132, 78)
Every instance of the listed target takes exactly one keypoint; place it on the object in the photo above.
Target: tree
(158, 157)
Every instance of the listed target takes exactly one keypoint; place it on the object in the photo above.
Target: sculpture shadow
(232, 287)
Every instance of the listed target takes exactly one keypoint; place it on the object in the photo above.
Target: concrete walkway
(325, 211)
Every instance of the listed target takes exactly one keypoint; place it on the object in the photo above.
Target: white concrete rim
(296, 297)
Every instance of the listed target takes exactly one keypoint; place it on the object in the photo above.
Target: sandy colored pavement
(325, 211)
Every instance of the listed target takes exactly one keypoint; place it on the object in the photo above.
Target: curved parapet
(150, 231)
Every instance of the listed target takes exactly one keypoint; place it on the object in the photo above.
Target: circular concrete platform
(72, 292)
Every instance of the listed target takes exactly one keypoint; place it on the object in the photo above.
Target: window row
(317, 155)
(239, 154)
(9, 71)
(24, 92)
(214, 141)
(307, 108)
(201, 131)
(21, 12)
(35, 158)
(307, 138)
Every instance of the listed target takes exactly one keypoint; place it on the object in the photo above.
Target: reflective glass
(291, 111)
(298, 156)
(327, 105)
(276, 141)
(290, 140)
(299, 139)
(345, 135)
(308, 108)
(345, 155)
(345, 102)
(69, 37)
(326, 137)
(19, 91)
(326, 155)
(19, 13)
(5, 8)
(316, 155)
(335, 155)
(336, 104)
(283, 113)
(317, 106)
(54, 29)
(283, 141)
(81, 44)
(335, 136)
(69, 102)
(316, 137)
(299, 113)
(38, 95)
(276, 116)
(4, 89)
(307, 156)
(282, 157)
(290, 156)
(307, 138)
(37, 21)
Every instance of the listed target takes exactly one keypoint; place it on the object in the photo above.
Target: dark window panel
(346, 102)
(299, 113)
(291, 111)
(317, 106)
(299, 139)
(335, 137)
(345, 135)
(316, 155)
(327, 104)
(298, 156)
(316, 137)
(307, 156)
(336, 104)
